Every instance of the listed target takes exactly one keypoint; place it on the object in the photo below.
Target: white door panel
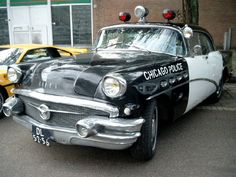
(39, 34)
(19, 16)
(199, 90)
(21, 34)
(216, 61)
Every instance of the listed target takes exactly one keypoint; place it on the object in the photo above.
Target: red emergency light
(169, 14)
(124, 16)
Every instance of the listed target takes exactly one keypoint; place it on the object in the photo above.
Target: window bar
(71, 27)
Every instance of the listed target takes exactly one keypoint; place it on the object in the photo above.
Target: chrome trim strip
(145, 25)
(53, 110)
(205, 79)
(112, 110)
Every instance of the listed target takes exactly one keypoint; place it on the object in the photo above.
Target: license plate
(41, 136)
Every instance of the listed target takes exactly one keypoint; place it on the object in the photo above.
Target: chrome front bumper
(115, 133)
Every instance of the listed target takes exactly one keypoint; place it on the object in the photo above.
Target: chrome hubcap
(154, 128)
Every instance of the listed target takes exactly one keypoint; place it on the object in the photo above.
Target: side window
(64, 53)
(36, 54)
(194, 41)
(203, 41)
(206, 44)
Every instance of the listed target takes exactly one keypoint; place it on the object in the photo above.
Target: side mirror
(197, 50)
(187, 31)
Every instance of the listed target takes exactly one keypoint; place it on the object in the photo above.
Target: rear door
(204, 66)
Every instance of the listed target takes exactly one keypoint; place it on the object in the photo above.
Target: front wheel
(2, 100)
(146, 145)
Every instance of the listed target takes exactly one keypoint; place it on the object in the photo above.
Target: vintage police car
(113, 98)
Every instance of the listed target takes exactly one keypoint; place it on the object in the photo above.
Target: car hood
(82, 76)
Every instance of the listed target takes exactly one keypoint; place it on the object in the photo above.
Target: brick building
(217, 16)
(61, 22)
(76, 22)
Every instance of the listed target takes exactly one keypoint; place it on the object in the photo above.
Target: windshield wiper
(108, 46)
(140, 48)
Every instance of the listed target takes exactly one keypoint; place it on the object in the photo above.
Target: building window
(81, 17)
(71, 25)
(4, 33)
(61, 25)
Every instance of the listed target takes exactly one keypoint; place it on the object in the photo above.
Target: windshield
(159, 40)
(10, 56)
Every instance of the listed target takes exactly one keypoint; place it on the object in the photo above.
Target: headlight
(14, 74)
(114, 86)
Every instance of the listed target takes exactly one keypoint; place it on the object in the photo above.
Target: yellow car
(14, 54)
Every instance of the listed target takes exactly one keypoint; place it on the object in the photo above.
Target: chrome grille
(58, 119)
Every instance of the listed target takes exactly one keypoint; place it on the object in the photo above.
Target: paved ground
(200, 144)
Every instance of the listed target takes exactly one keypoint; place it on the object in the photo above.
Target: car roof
(167, 24)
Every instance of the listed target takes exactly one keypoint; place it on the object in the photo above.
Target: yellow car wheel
(3, 97)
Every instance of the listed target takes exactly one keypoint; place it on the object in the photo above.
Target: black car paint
(83, 77)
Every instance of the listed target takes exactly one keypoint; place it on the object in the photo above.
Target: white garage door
(30, 24)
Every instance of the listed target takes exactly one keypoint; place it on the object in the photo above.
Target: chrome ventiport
(13, 105)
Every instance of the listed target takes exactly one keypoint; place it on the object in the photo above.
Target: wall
(106, 11)
(217, 16)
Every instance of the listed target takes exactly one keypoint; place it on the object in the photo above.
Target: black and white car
(114, 97)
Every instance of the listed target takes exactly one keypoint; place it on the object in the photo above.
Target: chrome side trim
(205, 79)
(112, 110)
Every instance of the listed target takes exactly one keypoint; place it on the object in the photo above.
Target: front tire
(146, 145)
(3, 97)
